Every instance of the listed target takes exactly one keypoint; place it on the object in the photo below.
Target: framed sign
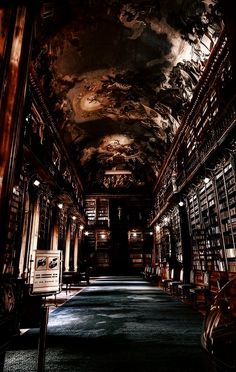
(47, 273)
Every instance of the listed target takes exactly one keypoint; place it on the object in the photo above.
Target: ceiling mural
(119, 77)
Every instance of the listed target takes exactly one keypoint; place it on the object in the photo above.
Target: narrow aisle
(117, 324)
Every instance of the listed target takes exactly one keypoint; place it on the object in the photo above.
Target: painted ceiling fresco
(119, 77)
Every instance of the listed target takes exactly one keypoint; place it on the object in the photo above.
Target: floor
(116, 324)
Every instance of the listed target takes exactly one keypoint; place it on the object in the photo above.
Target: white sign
(47, 272)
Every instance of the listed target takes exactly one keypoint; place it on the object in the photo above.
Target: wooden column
(33, 242)
(80, 246)
(55, 237)
(67, 249)
(13, 80)
(54, 230)
(76, 250)
(23, 253)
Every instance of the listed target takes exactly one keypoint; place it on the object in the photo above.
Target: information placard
(47, 272)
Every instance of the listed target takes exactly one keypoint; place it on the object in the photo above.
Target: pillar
(76, 250)
(55, 237)
(25, 230)
(54, 230)
(33, 241)
(13, 79)
(67, 248)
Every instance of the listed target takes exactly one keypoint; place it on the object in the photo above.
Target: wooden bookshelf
(90, 211)
(44, 223)
(14, 224)
(103, 252)
(135, 239)
(212, 216)
(103, 212)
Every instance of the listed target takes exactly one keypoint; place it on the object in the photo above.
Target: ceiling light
(151, 233)
(86, 233)
(206, 180)
(181, 203)
(60, 205)
(74, 218)
(15, 189)
(117, 171)
(36, 183)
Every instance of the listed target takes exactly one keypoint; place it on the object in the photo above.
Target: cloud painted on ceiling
(120, 77)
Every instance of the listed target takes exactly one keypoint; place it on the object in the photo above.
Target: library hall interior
(117, 185)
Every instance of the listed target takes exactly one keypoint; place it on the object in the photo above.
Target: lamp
(166, 219)
(15, 189)
(208, 170)
(36, 182)
(206, 180)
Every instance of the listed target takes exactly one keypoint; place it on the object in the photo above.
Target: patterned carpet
(117, 324)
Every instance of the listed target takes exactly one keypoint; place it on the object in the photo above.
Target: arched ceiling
(119, 76)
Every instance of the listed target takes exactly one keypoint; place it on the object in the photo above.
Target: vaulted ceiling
(118, 76)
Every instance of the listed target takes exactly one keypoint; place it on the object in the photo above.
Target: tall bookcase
(103, 248)
(44, 223)
(212, 219)
(90, 211)
(175, 227)
(147, 247)
(226, 197)
(135, 239)
(14, 224)
(103, 212)
(97, 211)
